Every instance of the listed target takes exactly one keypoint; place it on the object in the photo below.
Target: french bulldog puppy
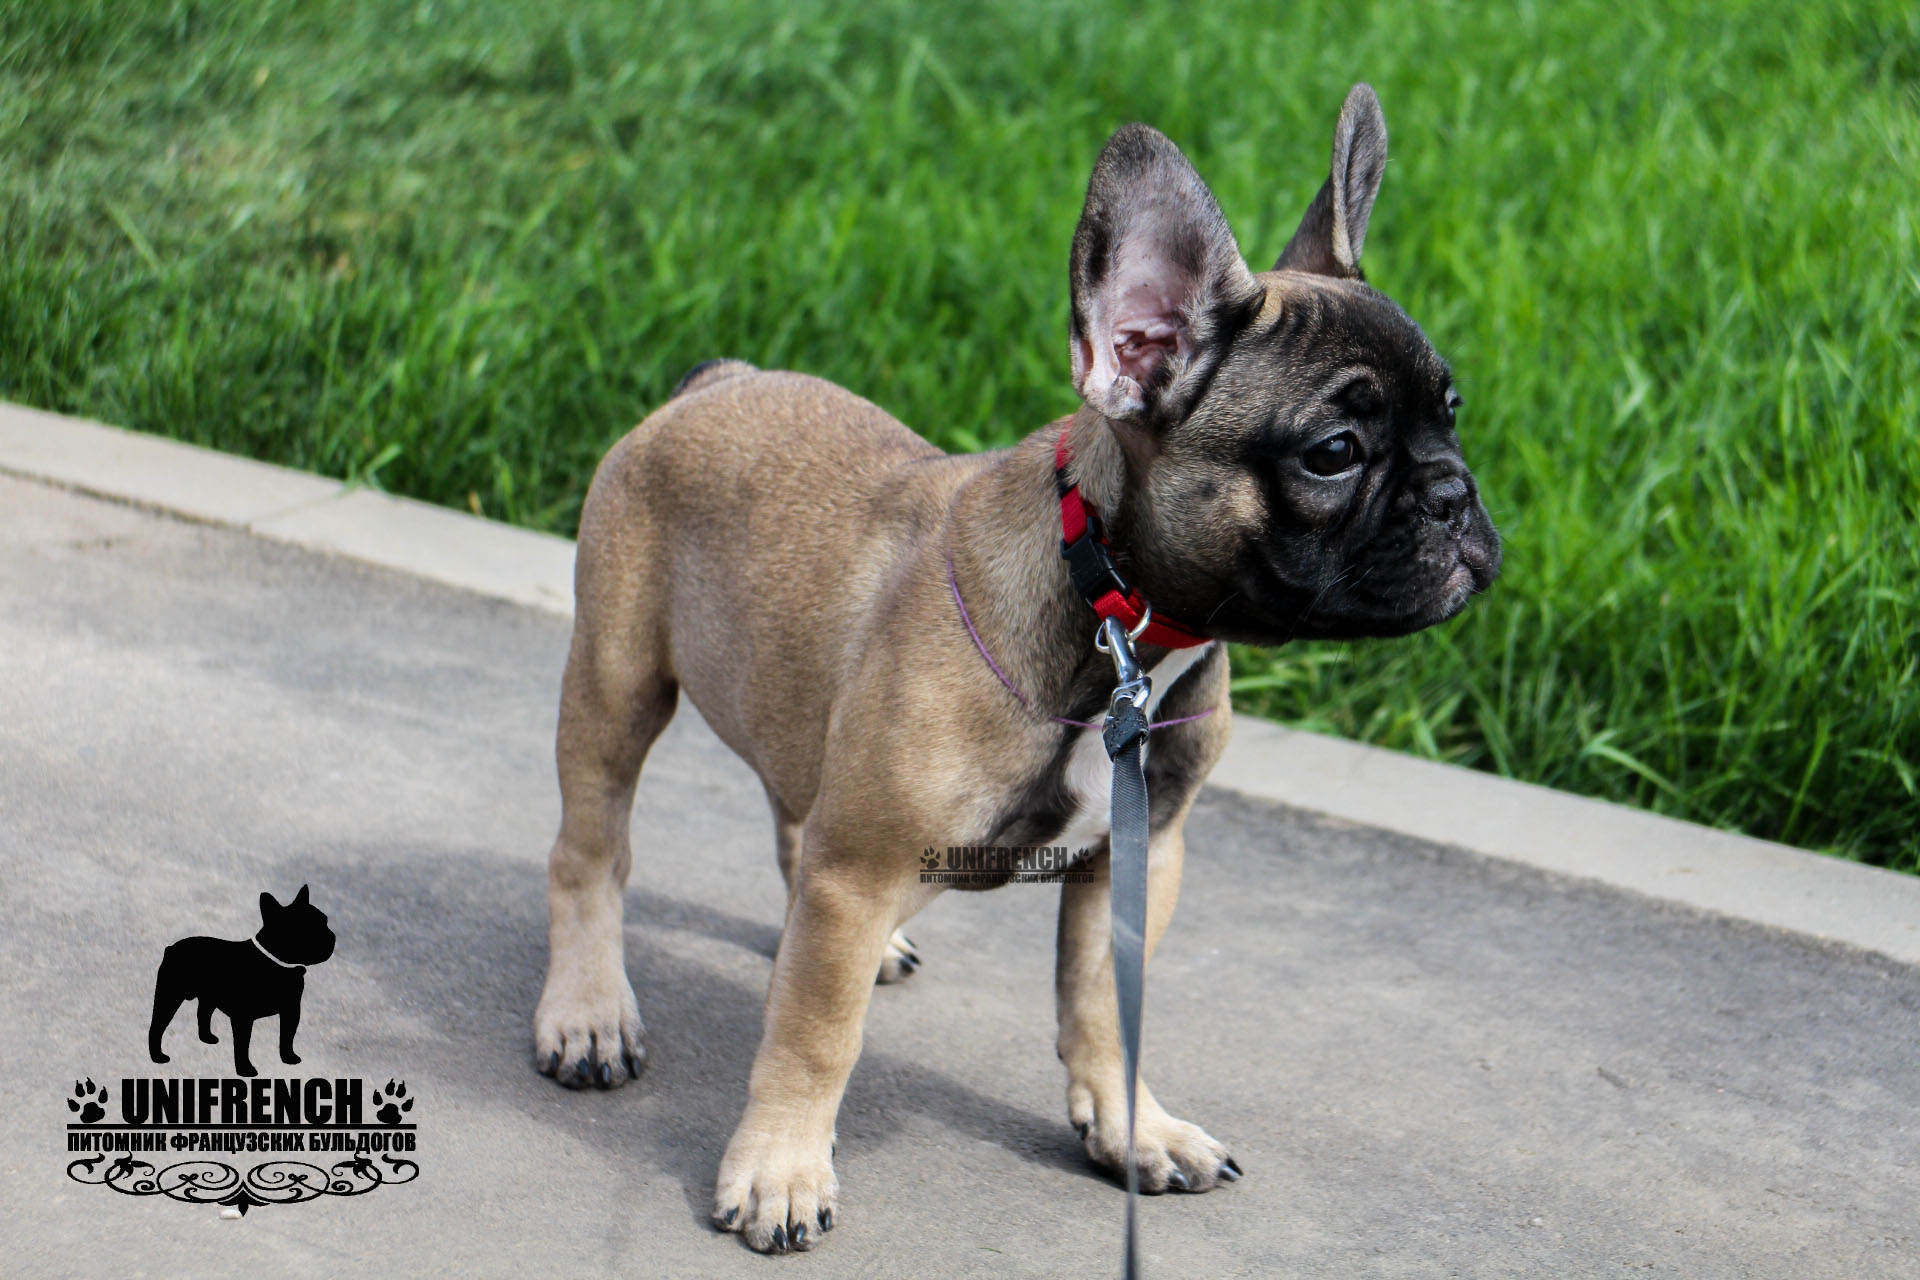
(897, 643)
(259, 977)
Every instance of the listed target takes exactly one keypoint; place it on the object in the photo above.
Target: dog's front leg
(1171, 1154)
(289, 1025)
(776, 1184)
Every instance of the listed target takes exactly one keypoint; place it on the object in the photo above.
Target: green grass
(454, 249)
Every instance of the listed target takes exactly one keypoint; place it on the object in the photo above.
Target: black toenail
(826, 1219)
(731, 1214)
(1178, 1179)
(553, 1063)
(800, 1236)
(606, 1075)
(780, 1239)
(1230, 1170)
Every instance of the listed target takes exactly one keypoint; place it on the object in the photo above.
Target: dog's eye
(1454, 404)
(1333, 455)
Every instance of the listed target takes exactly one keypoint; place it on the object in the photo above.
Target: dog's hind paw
(588, 1036)
(901, 961)
(1170, 1154)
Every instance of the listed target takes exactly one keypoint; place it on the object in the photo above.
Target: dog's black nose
(1444, 500)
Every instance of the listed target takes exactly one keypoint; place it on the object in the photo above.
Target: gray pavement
(1431, 1063)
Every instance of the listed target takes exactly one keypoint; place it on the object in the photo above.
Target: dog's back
(232, 976)
(834, 482)
(708, 372)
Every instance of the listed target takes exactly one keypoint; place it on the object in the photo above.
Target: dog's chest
(1089, 773)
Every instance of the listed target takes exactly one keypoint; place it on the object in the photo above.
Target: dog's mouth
(1376, 602)
(1479, 552)
(1462, 585)
(1476, 565)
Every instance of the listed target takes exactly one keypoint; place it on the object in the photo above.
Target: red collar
(1083, 544)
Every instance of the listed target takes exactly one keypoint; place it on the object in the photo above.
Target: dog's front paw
(776, 1188)
(900, 961)
(1171, 1154)
(587, 1031)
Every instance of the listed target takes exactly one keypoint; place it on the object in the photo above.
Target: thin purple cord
(954, 582)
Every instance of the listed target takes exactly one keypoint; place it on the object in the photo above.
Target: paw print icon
(929, 860)
(89, 1101)
(392, 1108)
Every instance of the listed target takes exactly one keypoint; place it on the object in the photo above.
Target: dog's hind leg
(786, 841)
(204, 1018)
(616, 697)
(900, 960)
(242, 1043)
(167, 999)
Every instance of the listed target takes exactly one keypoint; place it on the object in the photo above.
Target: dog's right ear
(1330, 236)
(1158, 281)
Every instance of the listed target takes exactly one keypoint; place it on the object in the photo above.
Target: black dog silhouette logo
(258, 977)
(324, 1137)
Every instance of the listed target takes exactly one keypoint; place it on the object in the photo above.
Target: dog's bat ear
(300, 898)
(268, 906)
(1157, 279)
(1330, 237)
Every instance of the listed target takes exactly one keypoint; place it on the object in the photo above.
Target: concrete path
(1430, 1062)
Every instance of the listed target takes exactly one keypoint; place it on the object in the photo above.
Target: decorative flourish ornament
(216, 1182)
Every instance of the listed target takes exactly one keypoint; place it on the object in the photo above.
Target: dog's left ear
(1330, 236)
(1158, 280)
(269, 906)
(300, 898)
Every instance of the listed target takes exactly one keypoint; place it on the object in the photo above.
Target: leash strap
(1125, 738)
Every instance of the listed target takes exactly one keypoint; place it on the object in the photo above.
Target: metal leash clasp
(1131, 684)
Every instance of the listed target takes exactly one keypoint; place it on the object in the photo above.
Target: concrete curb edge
(1715, 871)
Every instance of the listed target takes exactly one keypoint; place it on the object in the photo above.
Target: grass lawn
(455, 247)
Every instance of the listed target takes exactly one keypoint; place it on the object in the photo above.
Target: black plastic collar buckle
(1090, 564)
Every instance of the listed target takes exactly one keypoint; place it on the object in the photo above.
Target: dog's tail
(708, 372)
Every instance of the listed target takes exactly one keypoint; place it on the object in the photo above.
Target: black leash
(1125, 737)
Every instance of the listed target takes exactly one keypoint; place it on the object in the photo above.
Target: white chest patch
(1090, 773)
